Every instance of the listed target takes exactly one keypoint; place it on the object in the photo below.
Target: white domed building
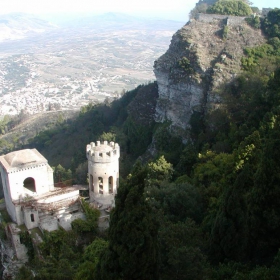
(30, 195)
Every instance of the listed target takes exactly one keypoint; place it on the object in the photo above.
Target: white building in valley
(30, 195)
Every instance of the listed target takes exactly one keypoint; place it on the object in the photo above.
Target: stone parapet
(229, 20)
(103, 152)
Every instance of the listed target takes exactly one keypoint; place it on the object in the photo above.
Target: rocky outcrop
(203, 55)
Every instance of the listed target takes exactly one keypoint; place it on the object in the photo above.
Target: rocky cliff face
(202, 55)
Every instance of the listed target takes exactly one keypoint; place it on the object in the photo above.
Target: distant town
(68, 68)
(32, 95)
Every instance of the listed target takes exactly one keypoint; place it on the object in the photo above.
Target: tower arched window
(100, 184)
(91, 183)
(110, 183)
(29, 183)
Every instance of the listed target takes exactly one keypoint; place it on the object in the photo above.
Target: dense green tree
(53, 242)
(271, 23)
(133, 245)
(91, 257)
(81, 173)
(159, 170)
(24, 274)
(176, 201)
(181, 254)
(4, 122)
(227, 192)
(254, 21)
(89, 226)
(61, 174)
(167, 143)
(264, 207)
(60, 256)
(188, 158)
(230, 7)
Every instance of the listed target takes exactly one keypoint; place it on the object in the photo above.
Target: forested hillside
(206, 208)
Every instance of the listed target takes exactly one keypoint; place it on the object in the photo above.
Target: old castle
(32, 199)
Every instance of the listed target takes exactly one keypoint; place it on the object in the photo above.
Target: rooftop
(22, 158)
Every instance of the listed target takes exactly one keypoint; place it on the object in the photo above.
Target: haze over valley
(46, 67)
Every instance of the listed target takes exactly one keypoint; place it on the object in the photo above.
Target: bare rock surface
(203, 55)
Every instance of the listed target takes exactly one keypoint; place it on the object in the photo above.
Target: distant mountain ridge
(115, 19)
(17, 26)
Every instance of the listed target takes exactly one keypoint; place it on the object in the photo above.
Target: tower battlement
(103, 152)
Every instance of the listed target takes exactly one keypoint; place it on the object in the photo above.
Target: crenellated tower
(103, 167)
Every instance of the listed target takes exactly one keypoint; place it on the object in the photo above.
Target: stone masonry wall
(231, 20)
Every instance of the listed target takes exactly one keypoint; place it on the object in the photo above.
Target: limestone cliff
(202, 55)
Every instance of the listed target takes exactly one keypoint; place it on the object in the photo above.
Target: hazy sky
(173, 9)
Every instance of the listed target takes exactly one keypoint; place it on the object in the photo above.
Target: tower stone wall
(103, 168)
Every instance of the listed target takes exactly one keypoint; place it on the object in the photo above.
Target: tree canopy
(230, 7)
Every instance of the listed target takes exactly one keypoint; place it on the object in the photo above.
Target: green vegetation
(26, 239)
(259, 57)
(264, 58)
(4, 124)
(272, 23)
(132, 252)
(60, 174)
(184, 63)
(230, 7)
(65, 255)
(225, 32)
(254, 21)
(88, 226)
(5, 218)
(91, 257)
(206, 209)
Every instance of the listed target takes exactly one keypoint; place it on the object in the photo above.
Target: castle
(32, 199)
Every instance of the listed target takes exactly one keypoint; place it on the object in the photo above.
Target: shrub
(185, 64)
(234, 8)
(225, 32)
(255, 22)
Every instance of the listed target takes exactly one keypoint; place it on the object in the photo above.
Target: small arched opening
(91, 183)
(32, 218)
(29, 183)
(110, 182)
(100, 185)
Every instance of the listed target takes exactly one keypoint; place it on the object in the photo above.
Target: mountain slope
(18, 26)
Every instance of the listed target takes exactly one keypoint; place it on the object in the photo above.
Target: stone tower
(103, 168)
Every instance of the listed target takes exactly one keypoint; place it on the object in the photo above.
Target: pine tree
(133, 246)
